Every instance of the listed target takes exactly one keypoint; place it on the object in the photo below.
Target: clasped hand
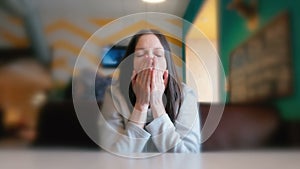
(149, 85)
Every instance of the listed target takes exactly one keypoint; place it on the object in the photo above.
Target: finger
(144, 73)
(154, 74)
(156, 79)
(142, 76)
(147, 70)
(150, 63)
(155, 63)
(133, 76)
(153, 79)
(159, 74)
(148, 81)
(133, 81)
(166, 75)
(139, 78)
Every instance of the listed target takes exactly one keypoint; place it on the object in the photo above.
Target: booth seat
(241, 127)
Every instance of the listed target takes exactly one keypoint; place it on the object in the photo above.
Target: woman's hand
(141, 82)
(159, 80)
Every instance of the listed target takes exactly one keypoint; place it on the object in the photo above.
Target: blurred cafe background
(257, 42)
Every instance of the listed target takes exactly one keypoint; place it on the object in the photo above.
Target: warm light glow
(206, 21)
(153, 1)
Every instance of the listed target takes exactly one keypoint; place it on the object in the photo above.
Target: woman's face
(149, 47)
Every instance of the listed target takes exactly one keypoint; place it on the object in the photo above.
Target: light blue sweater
(118, 135)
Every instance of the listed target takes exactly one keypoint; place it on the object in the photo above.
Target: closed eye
(159, 52)
(139, 53)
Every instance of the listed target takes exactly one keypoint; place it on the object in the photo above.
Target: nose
(150, 54)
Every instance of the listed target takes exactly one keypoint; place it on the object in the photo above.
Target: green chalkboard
(260, 68)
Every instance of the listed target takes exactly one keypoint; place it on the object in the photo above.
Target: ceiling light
(154, 1)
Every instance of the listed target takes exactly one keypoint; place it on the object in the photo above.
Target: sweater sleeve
(116, 134)
(184, 134)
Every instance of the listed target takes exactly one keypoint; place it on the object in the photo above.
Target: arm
(184, 134)
(116, 133)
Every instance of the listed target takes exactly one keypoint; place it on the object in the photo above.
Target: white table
(76, 159)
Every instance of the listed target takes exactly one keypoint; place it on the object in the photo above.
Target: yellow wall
(66, 38)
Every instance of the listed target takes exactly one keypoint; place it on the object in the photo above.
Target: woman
(149, 110)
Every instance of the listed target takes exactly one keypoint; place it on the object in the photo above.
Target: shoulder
(189, 98)
(115, 100)
(113, 90)
(113, 93)
(188, 112)
(187, 91)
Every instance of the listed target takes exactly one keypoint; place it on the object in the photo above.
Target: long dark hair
(173, 90)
